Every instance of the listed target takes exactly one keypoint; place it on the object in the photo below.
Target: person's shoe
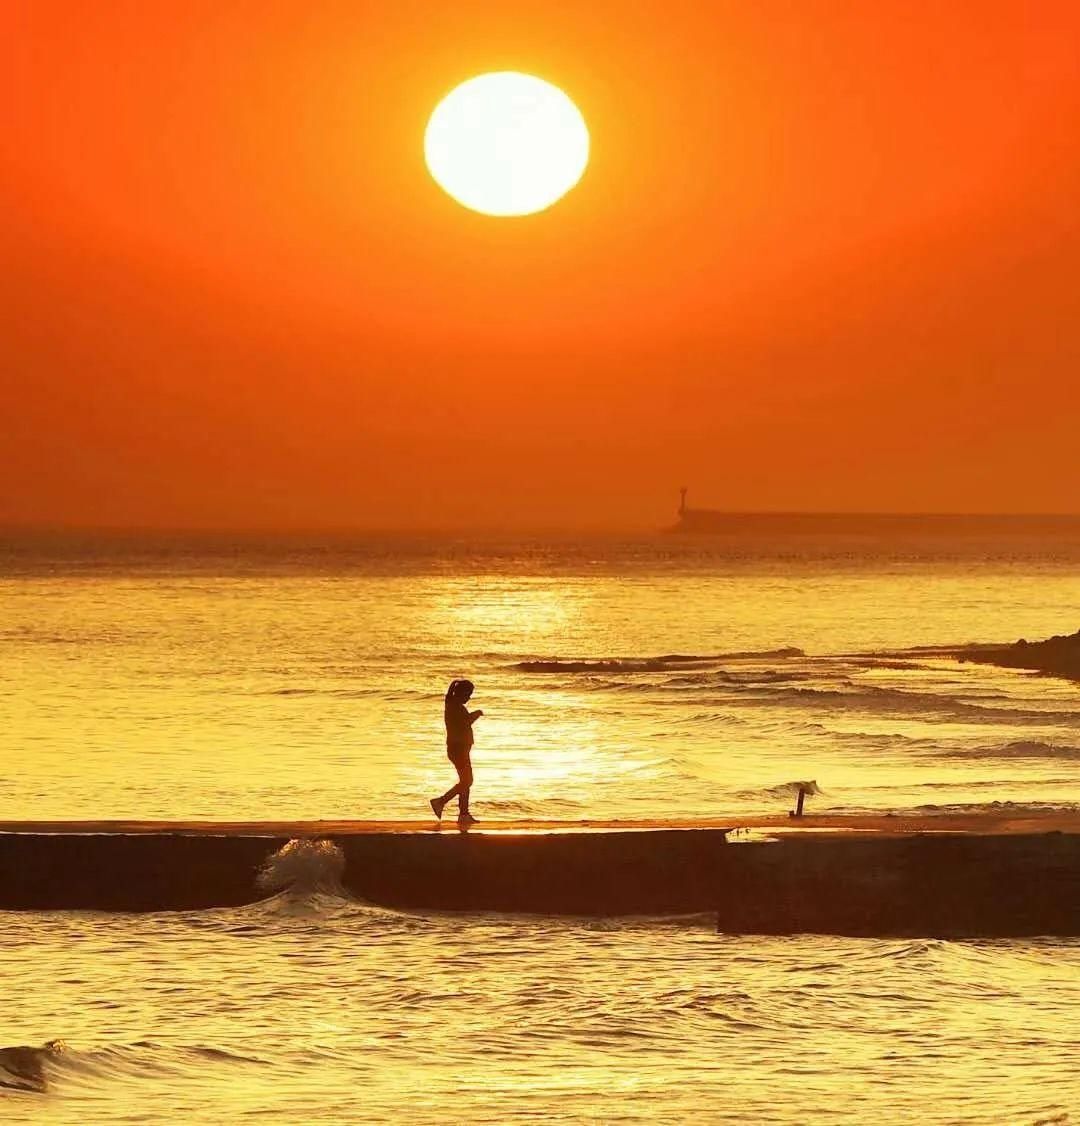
(437, 807)
(466, 819)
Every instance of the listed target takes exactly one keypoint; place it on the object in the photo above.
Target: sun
(506, 144)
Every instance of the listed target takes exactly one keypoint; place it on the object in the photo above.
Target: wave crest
(1020, 749)
(304, 866)
(39, 1070)
(665, 663)
(22, 1067)
(896, 701)
(782, 790)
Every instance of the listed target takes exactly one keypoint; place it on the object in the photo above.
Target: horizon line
(538, 528)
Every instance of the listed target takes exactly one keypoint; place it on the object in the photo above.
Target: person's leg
(438, 803)
(461, 765)
(464, 769)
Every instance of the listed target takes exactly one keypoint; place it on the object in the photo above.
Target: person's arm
(474, 716)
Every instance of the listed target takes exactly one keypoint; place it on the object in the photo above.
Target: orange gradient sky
(826, 256)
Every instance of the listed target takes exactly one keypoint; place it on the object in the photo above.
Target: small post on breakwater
(804, 789)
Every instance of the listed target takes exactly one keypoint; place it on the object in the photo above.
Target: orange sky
(826, 256)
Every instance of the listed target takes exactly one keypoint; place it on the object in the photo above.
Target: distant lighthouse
(700, 520)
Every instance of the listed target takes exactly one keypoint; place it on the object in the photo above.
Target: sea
(256, 677)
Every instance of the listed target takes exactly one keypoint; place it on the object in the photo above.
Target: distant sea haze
(707, 539)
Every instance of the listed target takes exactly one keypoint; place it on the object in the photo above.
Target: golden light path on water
(561, 749)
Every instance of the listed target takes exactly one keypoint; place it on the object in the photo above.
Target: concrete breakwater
(943, 884)
(560, 873)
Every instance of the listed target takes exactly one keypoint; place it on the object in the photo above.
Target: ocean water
(233, 678)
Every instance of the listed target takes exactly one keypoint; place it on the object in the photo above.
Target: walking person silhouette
(459, 742)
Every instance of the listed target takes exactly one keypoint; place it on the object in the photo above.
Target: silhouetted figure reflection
(459, 741)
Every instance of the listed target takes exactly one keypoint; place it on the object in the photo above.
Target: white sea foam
(304, 866)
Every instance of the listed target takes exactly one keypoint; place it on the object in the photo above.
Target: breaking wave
(898, 701)
(1011, 808)
(1020, 749)
(23, 1068)
(665, 663)
(35, 1070)
(823, 683)
(304, 867)
(782, 790)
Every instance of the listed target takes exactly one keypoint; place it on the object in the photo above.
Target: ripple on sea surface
(264, 1010)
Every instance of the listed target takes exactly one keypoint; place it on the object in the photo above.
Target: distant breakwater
(929, 884)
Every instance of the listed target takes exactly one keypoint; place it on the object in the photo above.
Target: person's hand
(478, 713)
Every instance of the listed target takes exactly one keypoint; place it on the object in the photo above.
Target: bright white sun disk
(506, 144)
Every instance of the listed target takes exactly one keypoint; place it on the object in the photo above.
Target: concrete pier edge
(928, 883)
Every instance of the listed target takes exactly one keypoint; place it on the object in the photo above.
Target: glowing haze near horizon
(826, 261)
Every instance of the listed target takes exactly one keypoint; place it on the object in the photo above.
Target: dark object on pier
(805, 789)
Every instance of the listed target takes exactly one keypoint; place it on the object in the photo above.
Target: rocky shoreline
(1056, 656)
